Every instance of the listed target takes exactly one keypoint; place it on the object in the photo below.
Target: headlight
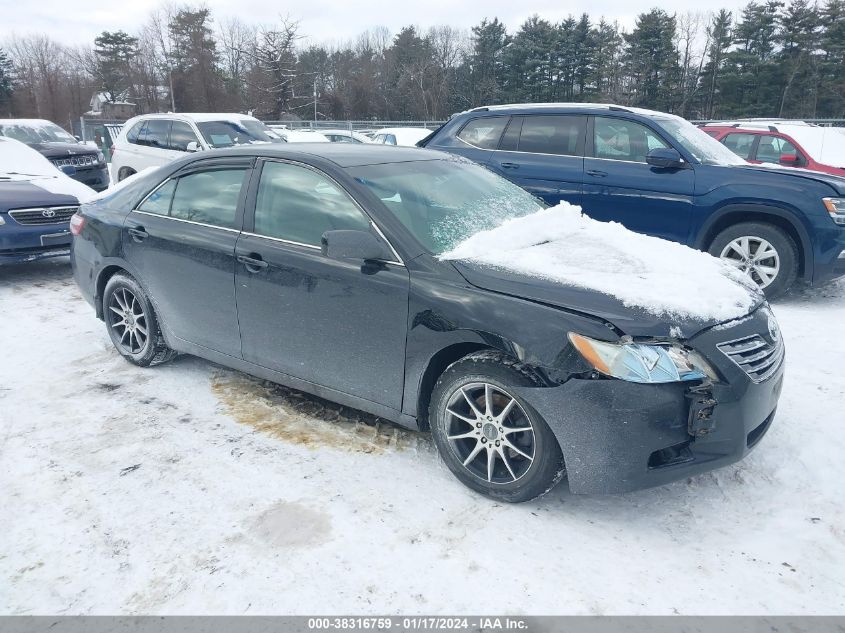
(636, 362)
(2, 221)
(836, 208)
(101, 158)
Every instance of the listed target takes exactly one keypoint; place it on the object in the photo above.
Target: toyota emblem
(48, 213)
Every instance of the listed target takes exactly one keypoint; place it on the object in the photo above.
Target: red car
(786, 143)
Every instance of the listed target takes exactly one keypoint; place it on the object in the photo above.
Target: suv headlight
(101, 158)
(836, 208)
(636, 362)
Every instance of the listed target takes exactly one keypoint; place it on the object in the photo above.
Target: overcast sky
(321, 21)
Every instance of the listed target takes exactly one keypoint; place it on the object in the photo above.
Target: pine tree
(114, 52)
(651, 61)
(6, 84)
(720, 39)
(486, 62)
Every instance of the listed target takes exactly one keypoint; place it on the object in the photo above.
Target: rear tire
(132, 323)
(503, 449)
(764, 252)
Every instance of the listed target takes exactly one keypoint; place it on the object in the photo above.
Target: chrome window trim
(399, 261)
(282, 240)
(516, 151)
(170, 217)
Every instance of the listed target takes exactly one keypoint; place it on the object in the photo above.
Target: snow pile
(662, 277)
(20, 162)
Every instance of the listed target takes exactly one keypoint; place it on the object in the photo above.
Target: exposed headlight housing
(638, 362)
(836, 208)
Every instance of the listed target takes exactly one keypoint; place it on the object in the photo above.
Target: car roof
(341, 154)
(25, 122)
(569, 107)
(197, 116)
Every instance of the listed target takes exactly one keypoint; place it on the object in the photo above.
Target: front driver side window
(620, 139)
(299, 204)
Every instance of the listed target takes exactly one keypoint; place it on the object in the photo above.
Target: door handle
(510, 165)
(253, 263)
(596, 173)
(138, 233)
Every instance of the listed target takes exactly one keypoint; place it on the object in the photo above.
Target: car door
(181, 242)
(336, 323)
(544, 154)
(181, 135)
(619, 185)
(153, 144)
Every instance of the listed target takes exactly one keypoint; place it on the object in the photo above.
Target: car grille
(756, 356)
(76, 161)
(43, 215)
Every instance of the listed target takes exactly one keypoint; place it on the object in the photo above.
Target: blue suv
(658, 174)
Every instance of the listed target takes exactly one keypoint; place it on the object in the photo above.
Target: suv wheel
(492, 440)
(132, 323)
(764, 252)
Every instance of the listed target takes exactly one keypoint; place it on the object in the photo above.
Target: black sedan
(317, 266)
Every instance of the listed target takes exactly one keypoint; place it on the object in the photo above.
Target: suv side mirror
(353, 245)
(790, 159)
(665, 158)
(193, 146)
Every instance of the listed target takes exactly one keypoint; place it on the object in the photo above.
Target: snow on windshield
(664, 278)
(35, 132)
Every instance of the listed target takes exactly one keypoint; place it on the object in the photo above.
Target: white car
(153, 140)
(345, 136)
(298, 136)
(408, 136)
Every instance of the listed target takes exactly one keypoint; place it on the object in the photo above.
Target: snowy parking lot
(190, 488)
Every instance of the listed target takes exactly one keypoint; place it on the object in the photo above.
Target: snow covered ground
(190, 488)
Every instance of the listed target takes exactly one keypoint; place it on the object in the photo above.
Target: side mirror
(665, 158)
(68, 170)
(790, 159)
(353, 245)
(193, 146)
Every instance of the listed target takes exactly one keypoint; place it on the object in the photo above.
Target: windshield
(443, 202)
(36, 133)
(701, 145)
(228, 133)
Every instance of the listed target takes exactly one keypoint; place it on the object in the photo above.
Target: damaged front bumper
(618, 436)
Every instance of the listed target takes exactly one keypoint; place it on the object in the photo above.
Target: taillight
(77, 222)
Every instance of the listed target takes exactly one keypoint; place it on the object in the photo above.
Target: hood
(21, 194)
(630, 320)
(778, 172)
(63, 150)
(643, 285)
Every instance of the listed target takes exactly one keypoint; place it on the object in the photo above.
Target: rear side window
(558, 134)
(299, 204)
(158, 201)
(484, 132)
(209, 197)
(155, 134)
(180, 135)
(740, 144)
(620, 139)
(132, 135)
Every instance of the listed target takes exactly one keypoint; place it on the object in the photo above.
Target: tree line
(773, 59)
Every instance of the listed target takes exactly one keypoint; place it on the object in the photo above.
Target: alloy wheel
(129, 321)
(490, 433)
(754, 256)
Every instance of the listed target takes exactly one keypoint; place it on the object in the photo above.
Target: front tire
(764, 252)
(132, 323)
(491, 439)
